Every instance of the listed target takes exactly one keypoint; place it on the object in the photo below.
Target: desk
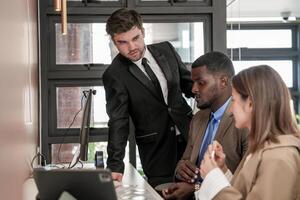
(132, 185)
(134, 182)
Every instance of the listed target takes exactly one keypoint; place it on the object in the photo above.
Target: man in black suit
(145, 83)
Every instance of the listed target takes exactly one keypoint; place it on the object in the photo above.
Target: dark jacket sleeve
(117, 110)
(186, 82)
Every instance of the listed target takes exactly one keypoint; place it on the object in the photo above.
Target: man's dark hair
(122, 20)
(215, 62)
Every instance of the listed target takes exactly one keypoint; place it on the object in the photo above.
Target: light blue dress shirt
(217, 116)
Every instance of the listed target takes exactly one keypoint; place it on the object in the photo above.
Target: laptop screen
(80, 183)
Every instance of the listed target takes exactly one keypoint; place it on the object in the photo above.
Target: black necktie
(152, 77)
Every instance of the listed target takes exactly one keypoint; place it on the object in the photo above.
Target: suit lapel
(139, 75)
(199, 133)
(225, 123)
(162, 63)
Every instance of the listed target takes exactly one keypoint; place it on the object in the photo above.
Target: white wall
(19, 93)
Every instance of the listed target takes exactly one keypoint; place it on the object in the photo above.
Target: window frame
(292, 54)
(205, 19)
(173, 3)
(58, 132)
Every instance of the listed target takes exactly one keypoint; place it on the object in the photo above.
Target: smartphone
(99, 163)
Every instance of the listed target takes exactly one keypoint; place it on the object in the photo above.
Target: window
(63, 153)
(88, 43)
(70, 101)
(278, 38)
(271, 44)
(283, 67)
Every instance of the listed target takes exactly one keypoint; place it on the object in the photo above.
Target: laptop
(91, 184)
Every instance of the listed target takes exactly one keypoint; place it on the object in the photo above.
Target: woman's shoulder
(283, 141)
(286, 149)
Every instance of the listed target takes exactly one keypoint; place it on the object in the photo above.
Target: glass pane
(187, 38)
(85, 43)
(283, 67)
(88, 42)
(259, 38)
(70, 101)
(63, 153)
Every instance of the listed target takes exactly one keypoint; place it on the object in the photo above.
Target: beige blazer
(233, 140)
(272, 173)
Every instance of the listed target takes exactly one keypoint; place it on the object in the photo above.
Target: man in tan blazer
(211, 74)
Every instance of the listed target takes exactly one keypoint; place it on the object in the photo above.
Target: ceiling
(262, 8)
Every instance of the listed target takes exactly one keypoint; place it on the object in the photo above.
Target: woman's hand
(216, 152)
(207, 164)
(214, 157)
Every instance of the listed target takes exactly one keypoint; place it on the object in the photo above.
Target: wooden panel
(19, 93)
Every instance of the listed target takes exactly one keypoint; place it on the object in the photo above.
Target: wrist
(224, 169)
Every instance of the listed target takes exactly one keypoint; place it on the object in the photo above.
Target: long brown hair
(271, 114)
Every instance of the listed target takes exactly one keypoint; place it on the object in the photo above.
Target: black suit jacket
(130, 93)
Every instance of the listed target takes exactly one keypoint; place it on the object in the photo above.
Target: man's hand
(117, 176)
(187, 171)
(179, 191)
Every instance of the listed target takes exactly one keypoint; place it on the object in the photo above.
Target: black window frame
(292, 54)
(60, 68)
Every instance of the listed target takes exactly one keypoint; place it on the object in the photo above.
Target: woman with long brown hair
(271, 168)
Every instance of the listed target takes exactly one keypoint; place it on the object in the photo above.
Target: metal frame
(292, 53)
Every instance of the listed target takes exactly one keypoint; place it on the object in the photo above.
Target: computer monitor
(85, 126)
(82, 154)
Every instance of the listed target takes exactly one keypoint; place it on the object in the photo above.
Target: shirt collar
(146, 55)
(219, 113)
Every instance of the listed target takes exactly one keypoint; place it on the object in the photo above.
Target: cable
(77, 161)
(64, 135)
(85, 94)
(43, 162)
(43, 159)
(76, 155)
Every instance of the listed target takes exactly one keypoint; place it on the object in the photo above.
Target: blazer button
(169, 110)
(172, 128)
